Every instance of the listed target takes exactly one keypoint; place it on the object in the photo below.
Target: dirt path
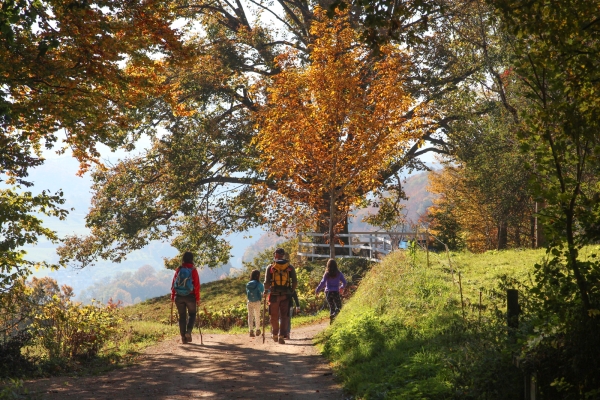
(225, 367)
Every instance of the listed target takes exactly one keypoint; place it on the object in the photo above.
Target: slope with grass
(403, 334)
(216, 295)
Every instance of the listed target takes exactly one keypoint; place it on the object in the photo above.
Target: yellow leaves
(332, 125)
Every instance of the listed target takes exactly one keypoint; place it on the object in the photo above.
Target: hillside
(132, 287)
(419, 199)
(216, 295)
(266, 240)
(402, 335)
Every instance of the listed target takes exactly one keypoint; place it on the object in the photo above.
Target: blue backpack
(183, 284)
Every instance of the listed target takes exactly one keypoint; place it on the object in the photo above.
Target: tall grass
(403, 334)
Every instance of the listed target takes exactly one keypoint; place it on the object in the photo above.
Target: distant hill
(419, 199)
(266, 240)
(131, 287)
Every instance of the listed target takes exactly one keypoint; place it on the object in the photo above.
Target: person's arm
(321, 285)
(261, 289)
(295, 298)
(294, 279)
(196, 281)
(343, 281)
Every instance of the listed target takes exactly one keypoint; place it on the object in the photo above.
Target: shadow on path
(225, 367)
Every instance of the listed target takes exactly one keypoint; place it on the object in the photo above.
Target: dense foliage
(200, 179)
(44, 331)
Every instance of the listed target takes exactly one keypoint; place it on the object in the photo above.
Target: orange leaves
(332, 124)
(67, 71)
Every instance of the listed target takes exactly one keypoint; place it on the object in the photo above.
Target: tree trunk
(344, 251)
(332, 212)
(502, 235)
(533, 227)
(540, 240)
(581, 283)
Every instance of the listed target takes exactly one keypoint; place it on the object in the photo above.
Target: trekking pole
(263, 318)
(171, 321)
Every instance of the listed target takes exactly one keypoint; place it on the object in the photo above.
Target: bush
(68, 330)
(12, 361)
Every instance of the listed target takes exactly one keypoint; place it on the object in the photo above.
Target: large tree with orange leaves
(200, 180)
(331, 126)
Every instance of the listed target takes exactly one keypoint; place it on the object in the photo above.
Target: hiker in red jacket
(185, 292)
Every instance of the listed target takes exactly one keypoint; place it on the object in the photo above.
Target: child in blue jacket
(254, 293)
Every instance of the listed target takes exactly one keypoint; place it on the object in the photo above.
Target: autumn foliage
(329, 127)
(464, 214)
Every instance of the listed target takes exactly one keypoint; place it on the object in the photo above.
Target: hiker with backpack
(333, 281)
(254, 293)
(280, 282)
(185, 292)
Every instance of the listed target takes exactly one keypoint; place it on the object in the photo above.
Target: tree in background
(331, 126)
(556, 49)
(200, 179)
(485, 186)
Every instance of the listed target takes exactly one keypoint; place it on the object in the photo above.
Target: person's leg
(181, 311)
(274, 315)
(332, 307)
(191, 308)
(256, 315)
(250, 317)
(337, 299)
(284, 309)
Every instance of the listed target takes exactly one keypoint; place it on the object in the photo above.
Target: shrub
(68, 330)
(12, 361)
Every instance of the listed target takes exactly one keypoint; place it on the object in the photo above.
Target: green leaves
(555, 57)
(19, 227)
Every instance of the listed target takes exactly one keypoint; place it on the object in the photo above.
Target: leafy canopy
(329, 127)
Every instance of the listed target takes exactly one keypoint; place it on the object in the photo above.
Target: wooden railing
(370, 245)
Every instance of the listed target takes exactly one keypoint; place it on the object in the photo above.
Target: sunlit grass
(398, 335)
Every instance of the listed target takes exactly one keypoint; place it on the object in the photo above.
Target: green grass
(403, 336)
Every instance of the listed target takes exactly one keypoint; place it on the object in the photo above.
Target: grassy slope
(216, 295)
(398, 336)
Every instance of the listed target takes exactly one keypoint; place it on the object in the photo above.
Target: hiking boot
(251, 333)
(183, 339)
(286, 337)
(275, 338)
(188, 337)
(281, 340)
(258, 332)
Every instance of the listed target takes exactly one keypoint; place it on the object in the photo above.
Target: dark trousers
(183, 304)
(279, 308)
(335, 304)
